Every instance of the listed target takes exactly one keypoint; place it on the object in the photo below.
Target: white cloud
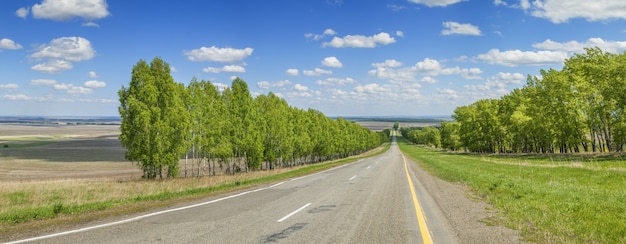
(267, 84)
(395, 7)
(513, 78)
(72, 89)
(9, 86)
(391, 63)
(400, 33)
(73, 49)
(332, 62)
(454, 28)
(335, 81)
(514, 58)
(45, 82)
(559, 11)
(390, 70)
(216, 54)
(292, 72)
(372, 88)
(301, 88)
(22, 12)
(316, 72)
(68, 9)
(448, 94)
(226, 68)
(428, 79)
(93, 74)
(60, 52)
(90, 24)
(22, 97)
(53, 66)
(317, 37)
(6, 43)
(95, 84)
(360, 41)
(579, 47)
(436, 3)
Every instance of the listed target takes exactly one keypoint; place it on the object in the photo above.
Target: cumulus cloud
(72, 89)
(22, 97)
(267, 84)
(292, 72)
(9, 86)
(316, 72)
(60, 52)
(73, 49)
(22, 12)
(93, 74)
(226, 68)
(61, 10)
(53, 66)
(215, 54)
(579, 47)
(317, 37)
(454, 28)
(436, 3)
(391, 70)
(45, 82)
(391, 63)
(332, 62)
(558, 11)
(360, 41)
(95, 84)
(335, 81)
(400, 33)
(299, 87)
(9, 44)
(514, 58)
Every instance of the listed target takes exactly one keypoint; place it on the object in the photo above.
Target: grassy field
(550, 198)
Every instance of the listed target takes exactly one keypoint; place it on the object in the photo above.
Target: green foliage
(578, 108)
(162, 121)
(154, 119)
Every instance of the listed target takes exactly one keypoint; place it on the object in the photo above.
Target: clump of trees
(164, 121)
(578, 108)
(429, 136)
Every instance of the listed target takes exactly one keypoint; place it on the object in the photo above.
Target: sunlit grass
(550, 199)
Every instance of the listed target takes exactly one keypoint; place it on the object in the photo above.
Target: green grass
(549, 198)
(57, 207)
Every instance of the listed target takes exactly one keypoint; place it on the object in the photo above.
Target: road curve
(369, 201)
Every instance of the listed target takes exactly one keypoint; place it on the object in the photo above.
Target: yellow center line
(421, 220)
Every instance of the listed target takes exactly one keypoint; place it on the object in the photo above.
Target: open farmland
(38, 152)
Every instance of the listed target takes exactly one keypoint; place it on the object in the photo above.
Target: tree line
(580, 108)
(164, 121)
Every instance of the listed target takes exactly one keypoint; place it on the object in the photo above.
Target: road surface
(374, 200)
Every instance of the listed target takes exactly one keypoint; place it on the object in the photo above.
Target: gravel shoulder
(473, 220)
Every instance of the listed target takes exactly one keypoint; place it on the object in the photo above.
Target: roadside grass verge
(29, 206)
(551, 199)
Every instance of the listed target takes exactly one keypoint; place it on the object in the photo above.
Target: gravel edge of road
(468, 217)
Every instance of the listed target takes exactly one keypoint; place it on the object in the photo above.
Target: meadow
(551, 198)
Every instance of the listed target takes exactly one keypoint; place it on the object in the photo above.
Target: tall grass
(564, 202)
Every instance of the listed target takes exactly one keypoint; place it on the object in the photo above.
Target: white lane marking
(294, 212)
(368, 167)
(142, 216)
(352, 178)
(167, 211)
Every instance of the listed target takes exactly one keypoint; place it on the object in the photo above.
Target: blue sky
(342, 57)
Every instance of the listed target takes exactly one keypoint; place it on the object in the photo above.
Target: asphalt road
(369, 201)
